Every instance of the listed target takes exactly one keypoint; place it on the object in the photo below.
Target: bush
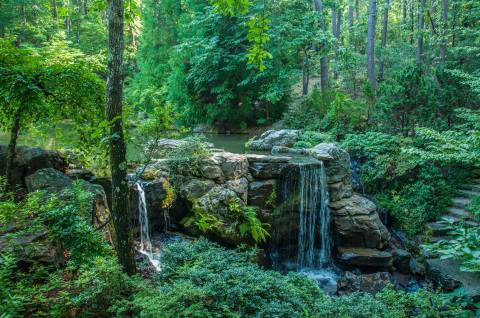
(474, 207)
(309, 139)
(201, 279)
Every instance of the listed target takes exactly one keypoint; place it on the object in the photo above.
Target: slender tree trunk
(443, 41)
(12, 149)
(318, 6)
(335, 35)
(357, 10)
(412, 22)
(55, 14)
(371, 43)
(351, 8)
(404, 12)
(306, 73)
(384, 40)
(68, 20)
(421, 28)
(118, 163)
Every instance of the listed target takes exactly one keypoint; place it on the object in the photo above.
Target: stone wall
(256, 180)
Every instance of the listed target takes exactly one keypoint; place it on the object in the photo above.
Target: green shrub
(309, 139)
(201, 279)
(474, 207)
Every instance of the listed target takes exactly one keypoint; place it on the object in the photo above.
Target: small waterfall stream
(314, 243)
(146, 247)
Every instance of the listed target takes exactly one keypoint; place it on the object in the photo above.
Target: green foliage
(187, 157)
(309, 139)
(253, 226)
(201, 279)
(413, 178)
(333, 112)
(474, 207)
(464, 246)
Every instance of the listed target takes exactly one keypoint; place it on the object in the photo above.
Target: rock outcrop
(273, 138)
(224, 180)
(28, 160)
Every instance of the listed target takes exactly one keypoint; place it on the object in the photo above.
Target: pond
(232, 142)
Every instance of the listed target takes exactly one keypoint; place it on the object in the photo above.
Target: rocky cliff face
(225, 181)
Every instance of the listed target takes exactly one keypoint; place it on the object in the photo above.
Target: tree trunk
(335, 35)
(55, 14)
(68, 20)
(357, 10)
(384, 40)
(421, 27)
(371, 43)
(318, 6)
(443, 41)
(351, 8)
(11, 150)
(118, 163)
(306, 74)
(412, 22)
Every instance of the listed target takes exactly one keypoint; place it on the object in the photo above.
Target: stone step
(435, 239)
(473, 187)
(459, 213)
(461, 202)
(469, 193)
(438, 229)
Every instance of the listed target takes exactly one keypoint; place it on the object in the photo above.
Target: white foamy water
(145, 241)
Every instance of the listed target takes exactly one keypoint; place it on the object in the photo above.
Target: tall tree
(443, 41)
(118, 161)
(421, 28)
(318, 6)
(384, 40)
(372, 24)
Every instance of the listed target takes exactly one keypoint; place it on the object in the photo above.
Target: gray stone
(271, 138)
(210, 169)
(287, 150)
(232, 165)
(80, 174)
(267, 158)
(365, 257)
(240, 187)
(29, 160)
(367, 283)
(357, 224)
(194, 188)
(401, 260)
(266, 170)
(259, 192)
(337, 161)
(48, 179)
(439, 273)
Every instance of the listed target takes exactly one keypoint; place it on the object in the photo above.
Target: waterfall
(314, 243)
(145, 241)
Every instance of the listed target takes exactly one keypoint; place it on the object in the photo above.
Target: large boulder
(53, 181)
(364, 257)
(337, 161)
(216, 215)
(368, 283)
(233, 166)
(261, 192)
(30, 247)
(272, 138)
(357, 224)
(48, 179)
(29, 160)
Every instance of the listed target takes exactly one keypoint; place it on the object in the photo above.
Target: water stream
(314, 243)
(146, 247)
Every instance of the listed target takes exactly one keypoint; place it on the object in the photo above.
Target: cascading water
(304, 195)
(146, 247)
(314, 244)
